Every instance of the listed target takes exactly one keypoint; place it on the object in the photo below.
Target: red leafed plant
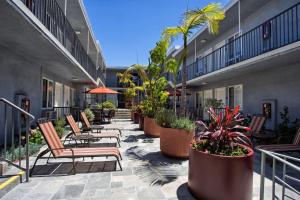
(224, 134)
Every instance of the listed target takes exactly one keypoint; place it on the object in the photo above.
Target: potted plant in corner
(176, 134)
(221, 159)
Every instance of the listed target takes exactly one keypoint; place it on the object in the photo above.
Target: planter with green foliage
(221, 156)
(176, 134)
(109, 105)
(89, 114)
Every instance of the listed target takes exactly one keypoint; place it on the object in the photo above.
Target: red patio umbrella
(102, 90)
(178, 93)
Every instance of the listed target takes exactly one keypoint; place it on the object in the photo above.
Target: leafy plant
(210, 15)
(36, 137)
(222, 137)
(214, 103)
(61, 122)
(89, 114)
(183, 123)
(107, 105)
(165, 117)
(60, 131)
(287, 129)
(13, 154)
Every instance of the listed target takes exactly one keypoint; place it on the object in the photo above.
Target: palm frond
(140, 69)
(210, 15)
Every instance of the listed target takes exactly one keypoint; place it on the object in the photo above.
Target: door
(235, 96)
(207, 94)
(199, 104)
(58, 95)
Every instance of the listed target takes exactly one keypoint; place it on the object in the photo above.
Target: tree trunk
(183, 90)
(174, 100)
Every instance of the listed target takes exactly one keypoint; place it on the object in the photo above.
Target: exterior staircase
(123, 113)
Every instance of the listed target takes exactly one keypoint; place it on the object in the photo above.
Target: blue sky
(128, 29)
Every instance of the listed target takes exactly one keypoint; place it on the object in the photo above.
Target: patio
(147, 174)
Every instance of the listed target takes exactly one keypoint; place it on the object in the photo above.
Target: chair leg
(119, 163)
(118, 140)
(74, 168)
(30, 174)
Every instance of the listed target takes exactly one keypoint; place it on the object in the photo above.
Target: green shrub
(60, 122)
(183, 123)
(165, 117)
(36, 137)
(89, 114)
(60, 131)
(14, 155)
(107, 105)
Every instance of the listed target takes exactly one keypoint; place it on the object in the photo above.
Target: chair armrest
(64, 148)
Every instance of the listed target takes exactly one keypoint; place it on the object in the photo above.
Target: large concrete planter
(141, 122)
(136, 117)
(175, 142)
(151, 128)
(216, 177)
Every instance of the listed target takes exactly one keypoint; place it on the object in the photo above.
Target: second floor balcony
(53, 18)
(279, 31)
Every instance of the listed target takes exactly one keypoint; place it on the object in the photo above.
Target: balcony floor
(147, 174)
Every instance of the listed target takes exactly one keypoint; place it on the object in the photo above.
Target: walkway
(146, 175)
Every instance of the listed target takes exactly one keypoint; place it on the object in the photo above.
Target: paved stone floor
(146, 175)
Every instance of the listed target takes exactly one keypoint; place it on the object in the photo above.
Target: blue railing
(54, 19)
(281, 30)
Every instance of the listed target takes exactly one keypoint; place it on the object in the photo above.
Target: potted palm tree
(221, 159)
(210, 15)
(176, 134)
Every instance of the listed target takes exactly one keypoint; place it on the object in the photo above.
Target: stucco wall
(281, 83)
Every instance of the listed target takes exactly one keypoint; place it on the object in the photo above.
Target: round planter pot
(175, 142)
(141, 122)
(136, 117)
(216, 177)
(151, 128)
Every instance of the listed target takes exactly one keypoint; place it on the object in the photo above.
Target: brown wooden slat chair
(88, 127)
(256, 125)
(295, 146)
(57, 149)
(78, 134)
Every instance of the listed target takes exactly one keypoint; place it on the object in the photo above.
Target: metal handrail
(277, 157)
(27, 123)
(17, 108)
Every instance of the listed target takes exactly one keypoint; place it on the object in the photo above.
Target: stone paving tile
(146, 175)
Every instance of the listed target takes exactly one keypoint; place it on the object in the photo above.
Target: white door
(58, 94)
(220, 94)
(207, 94)
(67, 91)
(235, 96)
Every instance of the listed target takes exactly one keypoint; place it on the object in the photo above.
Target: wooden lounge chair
(295, 146)
(88, 127)
(79, 135)
(256, 125)
(57, 149)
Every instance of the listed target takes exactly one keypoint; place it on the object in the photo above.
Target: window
(235, 96)
(47, 99)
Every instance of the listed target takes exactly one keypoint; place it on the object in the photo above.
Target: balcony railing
(279, 31)
(54, 19)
